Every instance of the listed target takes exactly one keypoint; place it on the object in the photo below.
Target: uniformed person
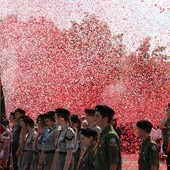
(16, 136)
(79, 147)
(91, 119)
(29, 141)
(89, 139)
(20, 149)
(48, 147)
(108, 155)
(148, 150)
(66, 141)
(165, 127)
(38, 141)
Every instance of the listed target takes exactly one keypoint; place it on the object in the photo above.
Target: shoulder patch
(69, 134)
(112, 141)
(153, 148)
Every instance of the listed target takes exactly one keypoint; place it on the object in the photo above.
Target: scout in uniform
(165, 127)
(28, 149)
(16, 136)
(89, 139)
(66, 141)
(49, 144)
(148, 150)
(38, 141)
(91, 119)
(20, 149)
(79, 148)
(108, 155)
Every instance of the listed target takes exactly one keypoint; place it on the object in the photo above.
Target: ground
(130, 162)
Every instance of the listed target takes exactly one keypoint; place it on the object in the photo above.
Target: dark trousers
(168, 155)
(14, 147)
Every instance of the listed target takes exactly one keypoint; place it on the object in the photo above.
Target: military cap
(90, 112)
(145, 125)
(105, 110)
(89, 132)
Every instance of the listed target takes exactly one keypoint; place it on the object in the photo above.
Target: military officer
(66, 141)
(108, 155)
(148, 150)
(89, 140)
(165, 127)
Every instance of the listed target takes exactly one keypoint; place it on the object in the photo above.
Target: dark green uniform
(148, 154)
(165, 136)
(108, 151)
(87, 162)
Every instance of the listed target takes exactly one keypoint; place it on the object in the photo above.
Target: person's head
(75, 121)
(90, 116)
(49, 118)
(104, 115)
(168, 110)
(19, 112)
(40, 121)
(21, 122)
(11, 117)
(63, 115)
(28, 123)
(144, 128)
(88, 136)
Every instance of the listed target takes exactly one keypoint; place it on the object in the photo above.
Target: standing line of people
(60, 142)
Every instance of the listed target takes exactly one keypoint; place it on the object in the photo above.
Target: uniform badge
(112, 141)
(153, 148)
(69, 135)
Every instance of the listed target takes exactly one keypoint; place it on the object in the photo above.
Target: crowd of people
(58, 140)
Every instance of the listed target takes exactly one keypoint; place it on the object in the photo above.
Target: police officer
(165, 127)
(48, 147)
(79, 148)
(28, 149)
(91, 119)
(89, 139)
(66, 141)
(108, 154)
(148, 150)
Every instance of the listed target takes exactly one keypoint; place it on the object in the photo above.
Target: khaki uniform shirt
(148, 154)
(29, 143)
(66, 139)
(108, 150)
(49, 144)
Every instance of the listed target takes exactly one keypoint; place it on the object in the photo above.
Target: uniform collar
(106, 129)
(146, 140)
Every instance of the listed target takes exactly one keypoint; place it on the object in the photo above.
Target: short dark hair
(90, 112)
(29, 121)
(105, 111)
(19, 110)
(50, 115)
(145, 125)
(64, 113)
